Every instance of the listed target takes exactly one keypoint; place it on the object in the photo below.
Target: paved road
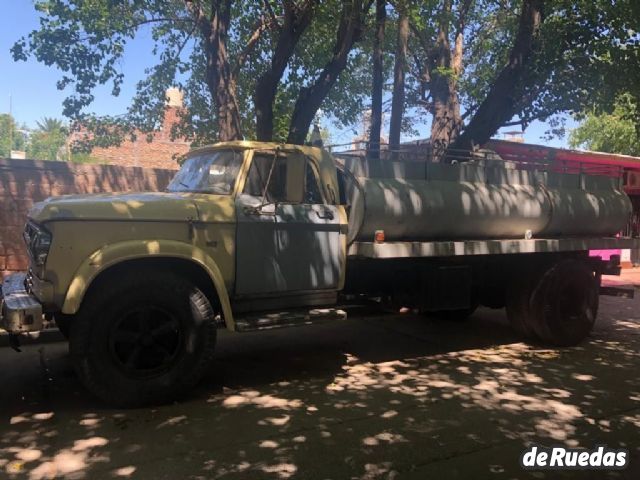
(372, 397)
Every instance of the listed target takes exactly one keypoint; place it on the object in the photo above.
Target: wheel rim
(145, 341)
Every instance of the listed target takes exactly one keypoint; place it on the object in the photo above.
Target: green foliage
(83, 158)
(48, 141)
(488, 29)
(50, 125)
(444, 72)
(491, 30)
(587, 54)
(614, 132)
(11, 135)
(87, 41)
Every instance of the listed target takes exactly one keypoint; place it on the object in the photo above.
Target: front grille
(33, 236)
(28, 281)
(30, 235)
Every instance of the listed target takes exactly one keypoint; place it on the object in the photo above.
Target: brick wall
(23, 182)
(160, 152)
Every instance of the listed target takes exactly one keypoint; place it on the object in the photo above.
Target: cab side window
(259, 174)
(312, 193)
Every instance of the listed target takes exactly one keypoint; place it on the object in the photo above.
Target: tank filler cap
(528, 234)
(379, 236)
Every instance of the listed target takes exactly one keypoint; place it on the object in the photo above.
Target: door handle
(326, 214)
(251, 210)
(258, 211)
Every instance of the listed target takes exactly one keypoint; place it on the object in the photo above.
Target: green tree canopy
(615, 132)
(48, 141)
(11, 135)
(264, 68)
(479, 65)
(214, 51)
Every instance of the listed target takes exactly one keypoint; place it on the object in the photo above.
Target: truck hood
(116, 206)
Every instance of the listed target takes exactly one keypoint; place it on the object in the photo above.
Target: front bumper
(20, 311)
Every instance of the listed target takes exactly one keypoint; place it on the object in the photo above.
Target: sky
(29, 88)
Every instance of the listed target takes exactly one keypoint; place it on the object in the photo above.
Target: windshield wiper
(173, 190)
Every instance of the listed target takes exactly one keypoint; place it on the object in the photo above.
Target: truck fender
(116, 253)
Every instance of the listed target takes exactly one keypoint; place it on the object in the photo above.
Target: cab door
(288, 236)
(257, 270)
(309, 243)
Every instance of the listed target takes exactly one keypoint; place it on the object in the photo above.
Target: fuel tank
(488, 198)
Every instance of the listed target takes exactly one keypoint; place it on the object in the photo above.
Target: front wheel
(146, 338)
(63, 322)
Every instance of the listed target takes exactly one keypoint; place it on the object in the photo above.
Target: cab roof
(320, 157)
(314, 152)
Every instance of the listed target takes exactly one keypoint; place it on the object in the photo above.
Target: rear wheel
(564, 305)
(146, 338)
(518, 302)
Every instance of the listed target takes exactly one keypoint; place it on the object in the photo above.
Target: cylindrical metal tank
(480, 199)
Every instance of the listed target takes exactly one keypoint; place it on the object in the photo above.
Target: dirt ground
(376, 396)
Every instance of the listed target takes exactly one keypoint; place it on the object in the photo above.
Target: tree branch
(462, 15)
(200, 18)
(506, 91)
(524, 122)
(272, 15)
(424, 42)
(159, 20)
(260, 28)
(310, 98)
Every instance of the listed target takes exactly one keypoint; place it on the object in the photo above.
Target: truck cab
(249, 235)
(287, 238)
(289, 230)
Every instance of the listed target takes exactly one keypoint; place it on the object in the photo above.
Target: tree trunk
(222, 87)
(446, 122)
(397, 99)
(500, 103)
(311, 97)
(294, 24)
(377, 81)
(229, 125)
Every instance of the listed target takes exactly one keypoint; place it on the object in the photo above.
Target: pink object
(604, 254)
(561, 156)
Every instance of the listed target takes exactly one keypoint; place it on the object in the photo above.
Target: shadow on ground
(373, 397)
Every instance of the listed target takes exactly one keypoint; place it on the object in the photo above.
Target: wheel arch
(116, 259)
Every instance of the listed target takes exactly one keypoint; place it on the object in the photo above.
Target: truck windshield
(211, 172)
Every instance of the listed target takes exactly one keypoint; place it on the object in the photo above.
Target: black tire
(145, 338)
(564, 305)
(63, 322)
(518, 303)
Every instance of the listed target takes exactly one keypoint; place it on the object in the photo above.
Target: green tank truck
(254, 236)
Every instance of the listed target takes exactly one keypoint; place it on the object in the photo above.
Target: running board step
(293, 318)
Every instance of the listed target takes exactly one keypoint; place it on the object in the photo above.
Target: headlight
(38, 240)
